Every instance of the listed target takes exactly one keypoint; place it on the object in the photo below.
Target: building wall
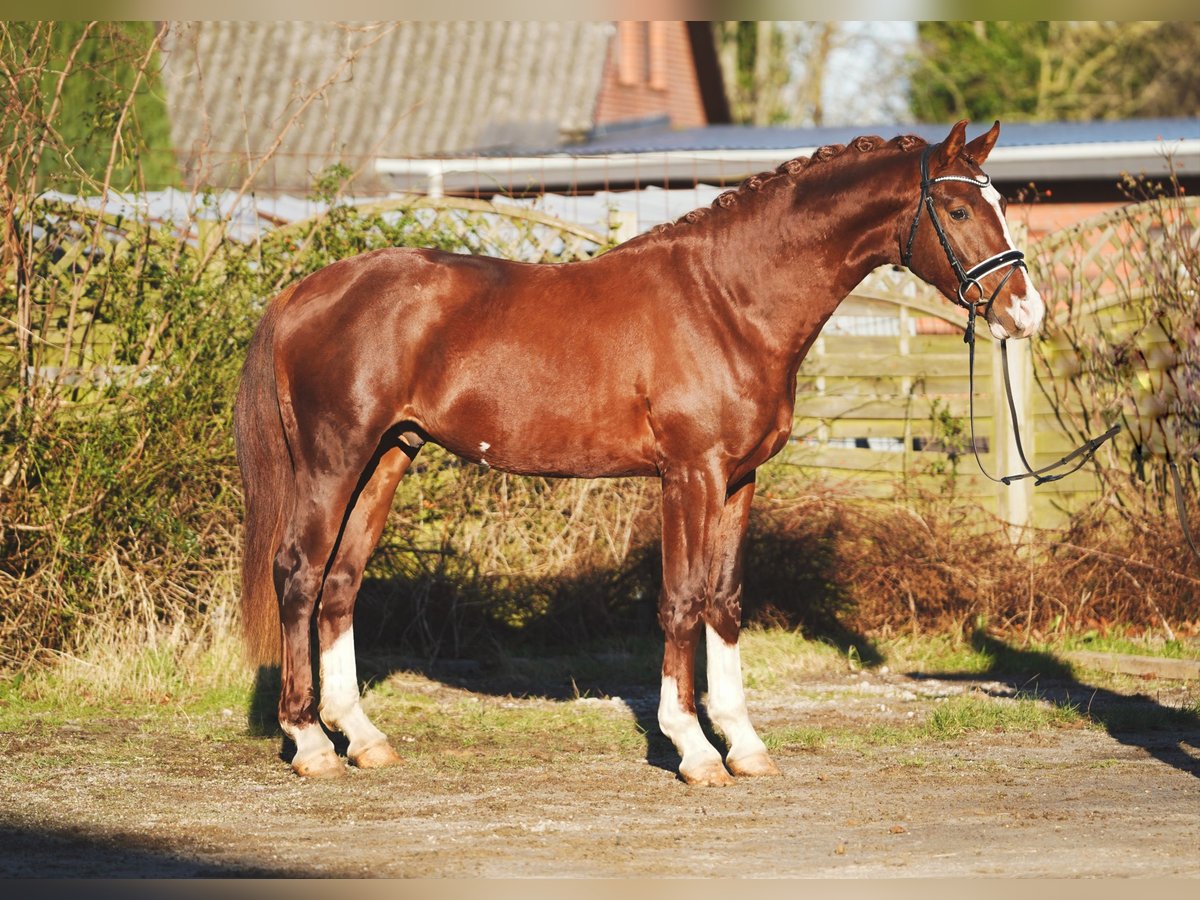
(650, 72)
(1040, 219)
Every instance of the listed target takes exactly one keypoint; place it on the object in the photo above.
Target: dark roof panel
(1013, 134)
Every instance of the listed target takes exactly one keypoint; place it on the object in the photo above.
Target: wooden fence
(883, 401)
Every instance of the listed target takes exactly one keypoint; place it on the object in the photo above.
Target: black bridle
(967, 278)
(970, 278)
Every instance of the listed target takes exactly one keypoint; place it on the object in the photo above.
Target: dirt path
(141, 797)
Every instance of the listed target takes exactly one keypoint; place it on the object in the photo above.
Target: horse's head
(958, 241)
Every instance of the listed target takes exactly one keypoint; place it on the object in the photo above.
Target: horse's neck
(792, 258)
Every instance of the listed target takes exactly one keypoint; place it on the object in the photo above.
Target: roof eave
(559, 170)
(1098, 160)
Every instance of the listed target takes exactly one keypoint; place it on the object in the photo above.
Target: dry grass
(827, 562)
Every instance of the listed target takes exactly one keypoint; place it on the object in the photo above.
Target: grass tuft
(970, 713)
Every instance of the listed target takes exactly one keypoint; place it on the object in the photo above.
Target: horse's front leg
(692, 503)
(726, 703)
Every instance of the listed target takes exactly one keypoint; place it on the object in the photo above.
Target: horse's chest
(762, 428)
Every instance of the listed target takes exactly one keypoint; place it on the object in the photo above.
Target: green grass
(422, 723)
(775, 658)
(1119, 640)
(938, 654)
(124, 680)
(799, 737)
(772, 658)
(951, 719)
(958, 716)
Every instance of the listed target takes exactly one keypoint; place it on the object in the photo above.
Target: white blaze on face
(1028, 309)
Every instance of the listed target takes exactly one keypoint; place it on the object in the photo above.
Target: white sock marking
(726, 697)
(683, 728)
(341, 708)
(311, 741)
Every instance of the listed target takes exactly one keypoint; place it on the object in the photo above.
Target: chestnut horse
(672, 356)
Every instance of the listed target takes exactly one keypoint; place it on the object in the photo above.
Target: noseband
(967, 279)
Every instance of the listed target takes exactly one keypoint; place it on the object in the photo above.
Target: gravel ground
(202, 797)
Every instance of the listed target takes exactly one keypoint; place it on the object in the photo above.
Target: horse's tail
(268, 485)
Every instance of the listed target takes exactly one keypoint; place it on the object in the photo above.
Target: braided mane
(791, 171)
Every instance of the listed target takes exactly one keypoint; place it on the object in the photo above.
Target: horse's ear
(979, 148)
(952, 146)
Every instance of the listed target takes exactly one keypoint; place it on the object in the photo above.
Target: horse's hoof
(376, 757)
(753, 766)
(710, 774)
(325, 764)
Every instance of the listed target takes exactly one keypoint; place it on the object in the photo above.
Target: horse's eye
(960, 214)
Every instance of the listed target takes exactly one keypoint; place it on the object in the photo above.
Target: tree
(814, 73)
(1046, 71)
(756, 62)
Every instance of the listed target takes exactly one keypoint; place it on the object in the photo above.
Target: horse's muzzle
(1017, 315)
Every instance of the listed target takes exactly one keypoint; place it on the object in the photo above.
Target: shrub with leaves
(1123, 344)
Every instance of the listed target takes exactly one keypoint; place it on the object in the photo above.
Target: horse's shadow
(1170, 735)
(571, 673)
(1136, 720)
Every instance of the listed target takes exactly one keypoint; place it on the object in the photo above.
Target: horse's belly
(535, 435)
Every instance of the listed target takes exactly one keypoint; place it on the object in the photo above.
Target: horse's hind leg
(340, 706)
(300, 564)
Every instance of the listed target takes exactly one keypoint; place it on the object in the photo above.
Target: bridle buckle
(966, 286)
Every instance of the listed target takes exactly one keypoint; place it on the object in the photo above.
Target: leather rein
(968, 279)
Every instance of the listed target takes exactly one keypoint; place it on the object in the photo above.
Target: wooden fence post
(622, 225)
(1015, 500)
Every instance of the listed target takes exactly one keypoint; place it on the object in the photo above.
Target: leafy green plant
(949, 440)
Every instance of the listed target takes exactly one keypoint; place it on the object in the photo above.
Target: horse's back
(530, 368)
